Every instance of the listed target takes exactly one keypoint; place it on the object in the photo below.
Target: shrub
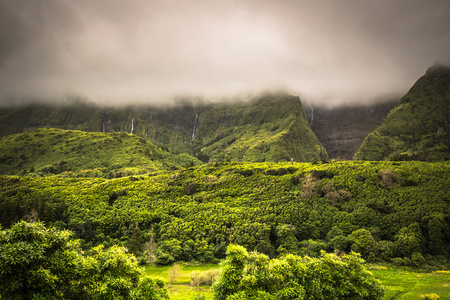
(255, 276)
(430, 296)
(388, 178)
(45, 263)
(207, 277)
(174, 273)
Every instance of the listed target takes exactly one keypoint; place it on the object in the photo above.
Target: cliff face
(77, 115)
(342, 130)
(418, 127)
(269, 128)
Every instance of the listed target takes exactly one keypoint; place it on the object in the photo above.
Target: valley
(257, 183)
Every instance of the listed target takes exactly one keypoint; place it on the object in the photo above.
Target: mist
(137, 51)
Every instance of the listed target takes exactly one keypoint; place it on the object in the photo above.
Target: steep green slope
(50, 151)
(418, 128)
(384, 210)
(271, 127)
(268, 128)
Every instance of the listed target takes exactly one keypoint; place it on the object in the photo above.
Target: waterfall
(196, 123)
(132, 126)
(312, 116)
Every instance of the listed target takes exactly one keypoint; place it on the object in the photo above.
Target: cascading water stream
(196, 124)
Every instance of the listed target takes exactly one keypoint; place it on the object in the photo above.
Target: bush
(45, 263)
(207, 277)
(255, 276)
(430, 296)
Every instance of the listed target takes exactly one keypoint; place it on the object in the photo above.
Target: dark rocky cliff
(341, 130)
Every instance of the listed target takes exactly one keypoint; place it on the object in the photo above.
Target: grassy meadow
(399, 283)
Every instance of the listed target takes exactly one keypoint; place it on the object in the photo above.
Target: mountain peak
(437, 69)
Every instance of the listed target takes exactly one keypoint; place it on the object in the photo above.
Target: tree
(255, 276)
(174, 273)
(409, 240)
(134, 245)
(364, 243)
(36, 261)
(150, 247)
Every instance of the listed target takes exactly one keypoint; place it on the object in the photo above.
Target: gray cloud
(326, 51)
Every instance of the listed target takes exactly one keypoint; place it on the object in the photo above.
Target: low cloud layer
(126, 51)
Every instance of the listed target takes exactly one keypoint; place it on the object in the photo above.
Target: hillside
(392, 211)
(49, 151)
(78, 114)
(342, 129)
(268, 128)
(418, 128)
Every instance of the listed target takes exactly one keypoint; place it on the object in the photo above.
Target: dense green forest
(38, 262)
(390, 211)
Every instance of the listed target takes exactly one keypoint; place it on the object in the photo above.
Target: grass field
(181, 288)
(399, 284)
(404, 285)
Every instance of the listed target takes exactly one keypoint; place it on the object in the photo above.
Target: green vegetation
(399, 283)
(194, 180)
(45, 263)
(78, 114)
(387, 211)
(271, 128)
(255, 276)
(418, 127)
(267, 128)
(404, 284)
(50, 151)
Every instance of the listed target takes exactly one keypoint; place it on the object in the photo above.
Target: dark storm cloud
(137, 50)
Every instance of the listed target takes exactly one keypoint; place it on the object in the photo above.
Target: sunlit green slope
(418, 127)
(49, 151)
(392, 211)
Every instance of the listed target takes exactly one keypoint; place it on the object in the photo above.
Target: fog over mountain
(152, 51)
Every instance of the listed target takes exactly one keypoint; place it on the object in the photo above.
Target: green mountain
(268, 128)
(418, 127)
(49, 151)
(78, 114)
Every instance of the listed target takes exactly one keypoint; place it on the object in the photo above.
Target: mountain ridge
(418, 128)
(271, 127)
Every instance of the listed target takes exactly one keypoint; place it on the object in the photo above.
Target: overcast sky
(153, 50)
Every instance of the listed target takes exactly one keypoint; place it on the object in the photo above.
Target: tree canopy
(46, 263)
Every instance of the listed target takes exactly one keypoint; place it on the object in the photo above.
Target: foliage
(398, 282)
(266, 128)
(40, 262)
(174, 272)
(403, 283)
(71, 153)
(207, 277)
(432, 296)
(254, 276)
(346, 209)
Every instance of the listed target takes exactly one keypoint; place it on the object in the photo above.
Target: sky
(115, 51)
